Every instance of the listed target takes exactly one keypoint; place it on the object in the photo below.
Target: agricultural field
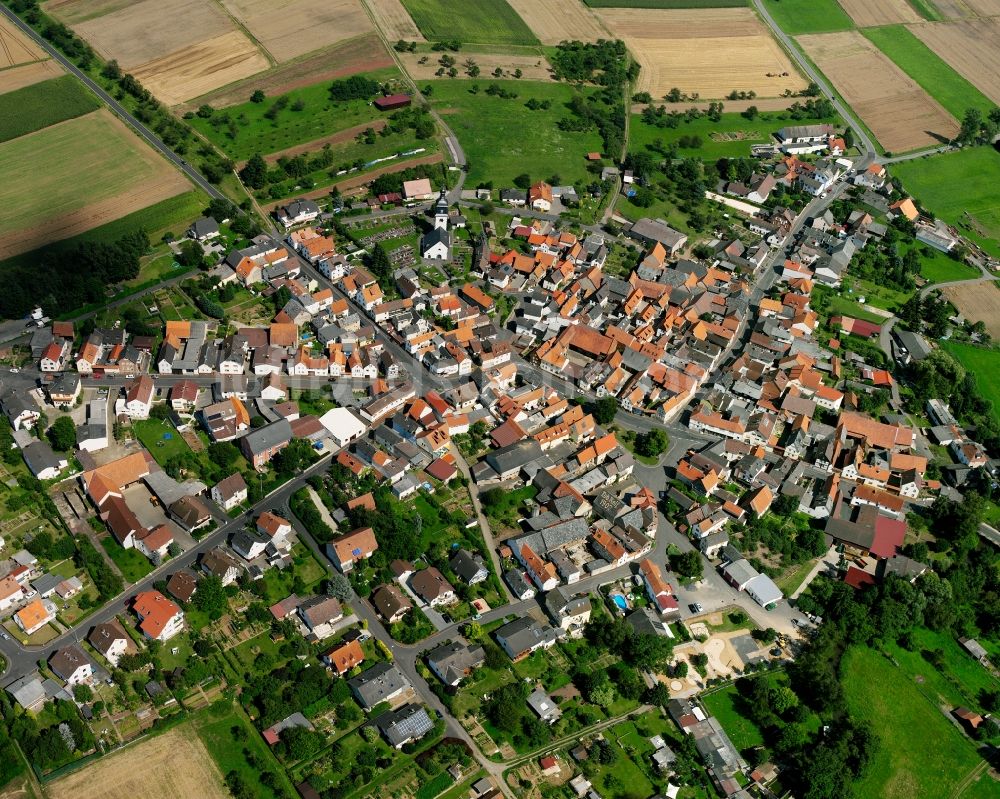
(984, 365)
(74, 176)
(933, 75)
(14, 78)
(893, 106)
(730, 137)
(15, 47)
(710, 52)
(180, 760)
(869, 13)
(973, 206)
(360, 54)
(503, 138)
(475, 21)
(173, 214)
(296, 27)
(395, 21)
(808, 16)
(244, 129)
(929, 764)
(553, 21)
(977, 302)
(971, 47)
(42, 104)
(665, 3)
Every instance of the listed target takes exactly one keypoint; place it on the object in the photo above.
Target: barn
(393, 101)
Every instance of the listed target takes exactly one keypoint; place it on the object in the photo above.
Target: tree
(340, 587)
(369, 733)
(603, 695)
(223, 453)
(254, 173)
(258, 96)
(191, 254)
(688, 565)
(605, 409)
(62, 434)
(211, 597)
(523, 181)
(652, 443)
(83, 693)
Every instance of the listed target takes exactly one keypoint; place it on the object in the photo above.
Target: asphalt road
(817, 78)
(115, 106)
(21, 659)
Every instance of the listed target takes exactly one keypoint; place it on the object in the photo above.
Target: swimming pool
(619, 600)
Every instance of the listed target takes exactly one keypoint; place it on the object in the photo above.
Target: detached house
(261, 445)
(159, 618)
(320, 614)
(111, 640)
(71, 664)
(139, 397)
(230, 492)
(359, 544)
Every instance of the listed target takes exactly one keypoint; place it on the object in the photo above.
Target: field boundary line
(246, 32)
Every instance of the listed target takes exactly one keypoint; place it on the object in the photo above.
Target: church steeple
(441, 212)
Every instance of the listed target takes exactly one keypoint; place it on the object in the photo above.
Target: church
(436, 243)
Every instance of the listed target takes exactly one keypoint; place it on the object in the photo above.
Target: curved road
(115, 106)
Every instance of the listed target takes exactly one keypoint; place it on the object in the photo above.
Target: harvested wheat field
(900, 114)
(977, 302)
(153, 29)
(178, 759)
(27, 74)
(73, 12)
(15, 47)
(395, 21)
(553, 21)
(533, 67)
(711, 51)
(984, 8)
(290, 28)
(76, 175)
(201, 68)
(869, 13)
(971, 48)
(361, 54)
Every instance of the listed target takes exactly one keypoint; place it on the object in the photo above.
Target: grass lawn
(877, 295)
(757, 131)
(491, 21)
(930, 763)
(503, 138)
(722, 704)
(624, 771)
(808, 16)
(230, 754)
(160, 438)
(252, 132)
(957, 185)
(848, 307)
(984, 365)
(130, 562)
(937, 267)
(42, 104)
(922, 64)
(961, 679)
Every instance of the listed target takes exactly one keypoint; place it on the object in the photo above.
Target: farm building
(392, 101)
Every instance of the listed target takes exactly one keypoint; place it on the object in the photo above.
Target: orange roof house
(345, 657)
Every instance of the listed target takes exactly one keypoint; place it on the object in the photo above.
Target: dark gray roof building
(381, 683)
